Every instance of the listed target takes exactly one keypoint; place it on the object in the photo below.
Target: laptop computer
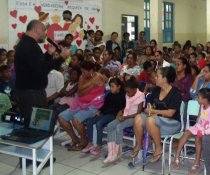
(41, 126)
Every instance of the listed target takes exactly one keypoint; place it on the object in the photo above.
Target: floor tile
(58, 169)
(118, 170)
(79, 172)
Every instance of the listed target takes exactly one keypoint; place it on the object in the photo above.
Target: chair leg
(163, 155)
(170, 153)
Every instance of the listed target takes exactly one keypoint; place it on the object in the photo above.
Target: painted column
(156, 22)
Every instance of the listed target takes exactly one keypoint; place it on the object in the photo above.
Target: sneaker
(88, 148)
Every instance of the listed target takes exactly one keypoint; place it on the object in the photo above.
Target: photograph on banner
(86, 15)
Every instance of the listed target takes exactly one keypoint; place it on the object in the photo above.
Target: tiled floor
(76, 163)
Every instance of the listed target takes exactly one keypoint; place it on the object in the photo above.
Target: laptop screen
(41, 119)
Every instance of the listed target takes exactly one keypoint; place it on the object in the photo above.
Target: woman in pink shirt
(90, 92)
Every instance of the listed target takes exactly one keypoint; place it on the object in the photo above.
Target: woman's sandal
(134, 153)
(155, 158)
(194, 170)
(76, 147)
(72, 145)
(176, 164)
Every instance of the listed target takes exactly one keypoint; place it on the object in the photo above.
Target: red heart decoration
(92, 20)
(13, 13)
(20, 35)
(14, 26)
(51, 30)
(79, 42)
(98, 10)
(23, 19)
(97, 27)
(38, 9)
(46, 46)
(88, 27)
(66, 2)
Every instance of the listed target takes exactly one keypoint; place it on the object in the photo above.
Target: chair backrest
(192, 110)
(182, 107)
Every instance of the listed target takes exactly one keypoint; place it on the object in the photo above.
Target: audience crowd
(106, 83)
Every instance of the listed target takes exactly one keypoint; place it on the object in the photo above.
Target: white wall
(190, 20)
(113, 11)
(3, 23)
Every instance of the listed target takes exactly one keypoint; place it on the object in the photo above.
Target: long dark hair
(187, 64)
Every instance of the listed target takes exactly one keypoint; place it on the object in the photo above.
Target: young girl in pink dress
(201, 128)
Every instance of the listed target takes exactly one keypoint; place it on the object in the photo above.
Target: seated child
(6, 84)
(124, 119)
(202, 127)
(69, 92)
(114, 102)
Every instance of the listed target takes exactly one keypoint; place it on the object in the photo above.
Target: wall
(113, 11)
(3, 23)
(190, 20)
(208, 19)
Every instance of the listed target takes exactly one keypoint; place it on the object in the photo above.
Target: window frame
(168, 22)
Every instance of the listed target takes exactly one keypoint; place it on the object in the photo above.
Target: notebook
(41, 126)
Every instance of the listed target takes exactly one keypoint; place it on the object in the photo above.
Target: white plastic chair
(192, 109)
(165, 138)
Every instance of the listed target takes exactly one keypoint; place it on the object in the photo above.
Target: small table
(40, 151)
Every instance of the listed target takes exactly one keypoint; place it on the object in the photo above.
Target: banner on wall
(86, 15)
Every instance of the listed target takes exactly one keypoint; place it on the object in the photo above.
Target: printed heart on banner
(98, 10)
(23, 19)
(97, 27)
(38, 9)
(88, 27)
(14, 26)
(66, 2)
(13, 13)
(92, 19)
(46, 46)
(20, 35)
(79, 42)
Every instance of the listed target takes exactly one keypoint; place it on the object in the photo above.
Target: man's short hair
(32, 24)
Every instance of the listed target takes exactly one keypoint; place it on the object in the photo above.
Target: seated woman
(164, 117)
(130, 65)
(149, 55)
(201, 81)
(90, 92)
(184, 78)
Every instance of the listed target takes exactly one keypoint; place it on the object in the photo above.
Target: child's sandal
(176, 164)
(194, 170)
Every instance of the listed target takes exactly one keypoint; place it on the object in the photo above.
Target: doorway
(130, 25)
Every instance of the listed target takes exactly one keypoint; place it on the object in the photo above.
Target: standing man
(140, 44)
(32, 68)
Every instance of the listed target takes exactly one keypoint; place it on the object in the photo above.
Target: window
(168, 22)
(147, 19)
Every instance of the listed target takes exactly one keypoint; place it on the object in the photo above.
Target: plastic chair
(165, 138)
(192, 109)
